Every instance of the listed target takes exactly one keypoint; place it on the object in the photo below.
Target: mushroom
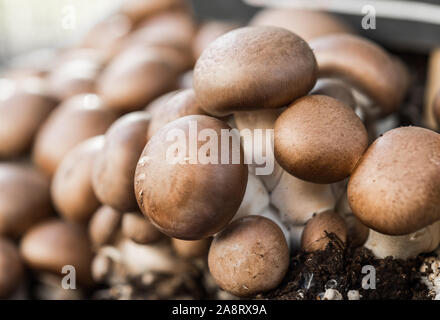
(436, 108)
(137, 10)
(11, 268)
(395, 190)
(74, 121)
(24, 198)
(23, 108)
(191, 194)
(249, 257)
(71, 189)
(315, 236)
(53, 244)
(191, 249)
(114, 167)
(138, 229)
(104, 226)
(318, 148)
(337, 89)
(225, 75)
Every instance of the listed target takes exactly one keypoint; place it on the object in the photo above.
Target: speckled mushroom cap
(11, 268)
(189, 200)
(319, 139)
(24, 198)
(74, 121)
(52, 244)
(436, 107)
(365, 65)
(308, 24)
(249, 257)
(395, 188)
(114, 167)
(253, 68)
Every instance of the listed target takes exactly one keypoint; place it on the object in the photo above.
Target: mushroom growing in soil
(184, 193)
(11, 268)
(75, 120)
(395, 190)
(114, 167)
(250, 256)
(71, 189)
(24, 198)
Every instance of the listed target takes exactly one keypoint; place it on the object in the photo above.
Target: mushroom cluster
(163, 154)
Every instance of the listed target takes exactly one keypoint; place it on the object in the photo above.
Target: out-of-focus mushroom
(208, 32)
(436, 108)
(11, 268)
(71, 188)
(138, 10)
(74, 121)
(137, 228)
(255, 200)
(191, 249)
(104, 226)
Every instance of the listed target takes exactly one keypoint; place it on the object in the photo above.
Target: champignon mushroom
(74, 121)
(71, 188)
(23, 108)
(11, 268)
(249, 257)
(53, 244)
(337, 89)
(395, 188)
(319, 139)
(24, 198)
(436, 108)
(138, 229)
(137, 10)
(225, 75)
(191, 194)
(114, 166)
(191, 249)
(104, 226)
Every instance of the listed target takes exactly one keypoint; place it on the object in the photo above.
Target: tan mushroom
(208, 32)
(104, 226)
(436, 107)
(137, 10)
(191, 249)
(135, 227)
(11, 268)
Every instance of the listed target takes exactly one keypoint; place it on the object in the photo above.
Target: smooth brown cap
(436, 107)
(191, 249)
(319, 139)
(395, 188)
(188, 199)
(104, 225)
(53, 244)
(137, 228)
(11, 268)
(114, 166)
(249, 257)
(254, 68)
(315, 234)
(364, 64)
(74, 121)
(24, 198)
(208, 32)
(71, 188)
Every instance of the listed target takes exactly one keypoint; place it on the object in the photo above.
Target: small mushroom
(11, 268)
(315, 236)
(24, 198)
(114, 166)
(53, 244)
(104, 226)
(187, 194)
(191, 249)
(138, 229)
(137, 10)
(71, 189)
(226, 72)
(319, 139)
(74, 121)
(249, 257)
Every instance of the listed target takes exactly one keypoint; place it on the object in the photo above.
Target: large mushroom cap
(24, 198)
(365, 65)
(319, 139)
(11, 268)
(395, 189)
(249, 257)
(253, 68)
(53, 244)
(190, 199)
(114, 166)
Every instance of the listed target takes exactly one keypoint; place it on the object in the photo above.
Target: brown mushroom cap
(308, 24)
(136, 77)
(137, 10)
(182, 103)
(24, 198)
(74, 121)
(137, 228)
(186, 200)
(104, 225)
(208, 32)
(365, 65)
(22, 111)
(319, 139)
(53, 244)
(191, 249)
(436, 107)
(315, 234)
(395, 188)
(249, 257)
(11, 268)
(253, 68)
(114, 167)
(71, 189)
